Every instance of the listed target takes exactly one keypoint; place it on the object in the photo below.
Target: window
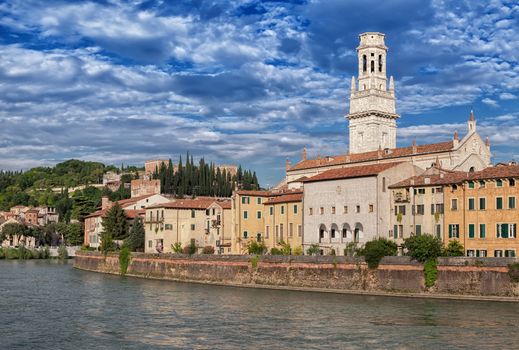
(271, 210)
(401, 209)
(471, 231)
(509, 253)
(245, 200)
(439, 208)
(150, 244)
(511, 202)
(357, 209)
(344, 233)
(310, 211)
(321, 210)
(281, 231)
(245, 234)
(258, 200)
(438, 230)
(267, 231)
(258, 214)
(333, 210)
(364, 63)
(282, 209)
(454, 204)
(332, 233)
(482, 203)
(207, 212)
(498, 253)
(499, 202)
(321, 233)
(245, 214)
(383, 184)
(470, 253)
(471, 184)
(499, 183)
(421, 190)
(371, 208)
(482, 230)
(193, 213)
(418, 230)
(420, 209)
(299, 231)
(482, 184)
(505, 230)
(472, 204)
(345, 209)
(192, 227)
(295, 208)
(258, 236)
(454, 231)
(168, 226)
(432, 209)
(511, 182)
(290, 229)
(214, 211)
(481, 253)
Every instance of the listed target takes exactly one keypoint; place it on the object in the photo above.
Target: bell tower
(372, 117)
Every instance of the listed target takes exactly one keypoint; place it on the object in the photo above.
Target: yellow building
(481, 212)
(283, 215)
(204, 221)
(247, 218)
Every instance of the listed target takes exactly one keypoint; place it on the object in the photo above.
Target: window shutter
(395, 231)
(432, 209)
(450, 231)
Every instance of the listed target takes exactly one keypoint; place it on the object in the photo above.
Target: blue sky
(248, 82)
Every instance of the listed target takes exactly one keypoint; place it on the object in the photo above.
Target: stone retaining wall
(456, 276)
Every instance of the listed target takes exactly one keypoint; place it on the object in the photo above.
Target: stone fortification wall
(398, 275)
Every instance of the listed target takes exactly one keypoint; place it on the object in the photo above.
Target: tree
(454, 248)
(115, 222)
(376, 249)
(423, 247)
(135, 240)
(254, 247)
(12, 230)
(313, 250)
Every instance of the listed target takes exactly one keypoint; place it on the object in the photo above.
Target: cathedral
(373, 128)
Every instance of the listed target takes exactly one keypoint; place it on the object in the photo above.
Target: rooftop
(352, 172)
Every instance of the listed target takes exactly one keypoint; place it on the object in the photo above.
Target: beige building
(348, 205)
(143, 187)
(203, 220)
(248, 221)
(373, 131)
(283, 215)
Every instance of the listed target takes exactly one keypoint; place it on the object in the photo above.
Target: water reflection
(59, 307)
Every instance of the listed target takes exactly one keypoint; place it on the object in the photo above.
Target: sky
(244, 82)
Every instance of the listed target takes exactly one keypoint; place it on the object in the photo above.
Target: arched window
(380, 63)
(364, 63)
(322, 231)
(372, 66)
(471, 170)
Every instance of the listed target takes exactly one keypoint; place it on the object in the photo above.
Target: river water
(50, 305)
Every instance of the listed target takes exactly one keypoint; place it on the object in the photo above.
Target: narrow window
(364, 63)
(482, 230)
(454, 204)
(258, 200)
(511, 202)
(358, 208)
(511, 182)
(499, 202)
(258, 214)
(380, 63)
(471, 230)
(471, 184)
(245, 214)
(371, 208)
(271, 209)
(295, 208)
(472, 205)
(193, 213)
(310, 211)
(333, 210)
(372, 66)
(499, 183)
(418, 230)
(282, 209)
(482, 204)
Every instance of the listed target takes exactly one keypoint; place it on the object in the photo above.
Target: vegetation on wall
(454, 248)
(124, 260)
(376, 249)
(423, 247)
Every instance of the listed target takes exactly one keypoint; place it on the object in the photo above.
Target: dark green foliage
(115, 223)
(430, 269)
(62, 252)
(190, 249)
(376, 249)
(124, 260)
(313, 250)
(135, 240)
(208, 249)
(285, 248)
(454, 248)
(423, 247)
(276, 251)
(258, 248)
(23, 253)
(12, 230)
(72, 233)
(203, 179)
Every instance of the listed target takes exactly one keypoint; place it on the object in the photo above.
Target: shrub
(44, 252)
(254, 261)
(24, 253)
(11, 253)
(297, 250)
(62, 252)
(430, 269)
(351, 249)
(454, 248)
(87, 248)
(423, 247)
(190, 249)
(208, 249)
(313, 249)
(376, 249)
(332, 252)
(124, 259)
(176, 248)
(2, 253)
(276, 251)
(254, 247)
(285, 248)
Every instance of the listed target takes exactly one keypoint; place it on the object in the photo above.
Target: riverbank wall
(456, 277)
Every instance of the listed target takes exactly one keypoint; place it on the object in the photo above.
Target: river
(50, 305)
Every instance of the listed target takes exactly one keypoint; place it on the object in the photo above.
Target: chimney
(105, 203)
(304, 155)
(456, 139)
(414, 145)
(287, 164)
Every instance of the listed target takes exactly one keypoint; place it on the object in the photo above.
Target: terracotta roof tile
(253, 193)
(286, 198)
(197, 203)
(352, 172)
(373, 155)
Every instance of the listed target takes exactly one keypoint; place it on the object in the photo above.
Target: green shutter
(504, 230)
(482, 230)
(450, 231)
(471, 230)
(395, 231)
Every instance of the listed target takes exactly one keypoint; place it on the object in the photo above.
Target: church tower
(372, 116)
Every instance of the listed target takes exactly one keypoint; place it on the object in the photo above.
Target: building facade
(348, 206)
(283, 217)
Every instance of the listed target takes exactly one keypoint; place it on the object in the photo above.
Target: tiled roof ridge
(352, 172)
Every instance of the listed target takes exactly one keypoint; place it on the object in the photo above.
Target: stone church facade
(373, 130)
